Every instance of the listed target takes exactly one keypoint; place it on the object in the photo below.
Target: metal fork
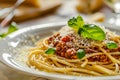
(11, 13)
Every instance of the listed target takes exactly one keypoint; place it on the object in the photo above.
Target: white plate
(16, 39)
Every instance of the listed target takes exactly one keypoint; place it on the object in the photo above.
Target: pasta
(98, 60)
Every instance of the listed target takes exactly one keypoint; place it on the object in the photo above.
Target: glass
(116, 19)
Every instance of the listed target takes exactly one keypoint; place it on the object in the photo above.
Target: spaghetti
(98, 60)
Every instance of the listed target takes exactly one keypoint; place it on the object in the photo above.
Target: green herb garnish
(12, 28)
(87, 30)
(93, 32)
(80, 53)
(76, 23)
(50, 51)
(111, 45)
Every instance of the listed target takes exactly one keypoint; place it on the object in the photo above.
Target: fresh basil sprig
(90, 31)
(93, 32)
(111, 45)
(76, 23)
(80, 53)
(12, 28)
(50, 51)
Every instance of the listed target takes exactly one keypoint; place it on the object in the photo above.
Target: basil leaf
(2, 35)
(80, 53)
(87, 31)
(111, 45)
(76, 23)
(12, 28)
(50, 51)
(93, 32)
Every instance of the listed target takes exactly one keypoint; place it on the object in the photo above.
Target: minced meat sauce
(66, 46)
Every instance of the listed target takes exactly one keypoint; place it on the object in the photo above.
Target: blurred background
(27, 13)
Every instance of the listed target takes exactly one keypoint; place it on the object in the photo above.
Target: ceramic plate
(21, 38)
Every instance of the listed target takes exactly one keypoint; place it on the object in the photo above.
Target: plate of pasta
(72, 51)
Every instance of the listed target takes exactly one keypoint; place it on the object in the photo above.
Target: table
(66, 11)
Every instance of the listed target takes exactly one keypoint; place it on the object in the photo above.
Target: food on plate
(89, 6)
(97, 17)
(35, 3)
(79, 49)
(12, 28)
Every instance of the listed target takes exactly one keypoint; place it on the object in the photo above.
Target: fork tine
(7, 19)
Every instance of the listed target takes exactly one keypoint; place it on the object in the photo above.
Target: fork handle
(11, 15)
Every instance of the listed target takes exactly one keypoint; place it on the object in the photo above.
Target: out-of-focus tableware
(115, 6)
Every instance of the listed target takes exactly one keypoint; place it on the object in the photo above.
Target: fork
(11, 13)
